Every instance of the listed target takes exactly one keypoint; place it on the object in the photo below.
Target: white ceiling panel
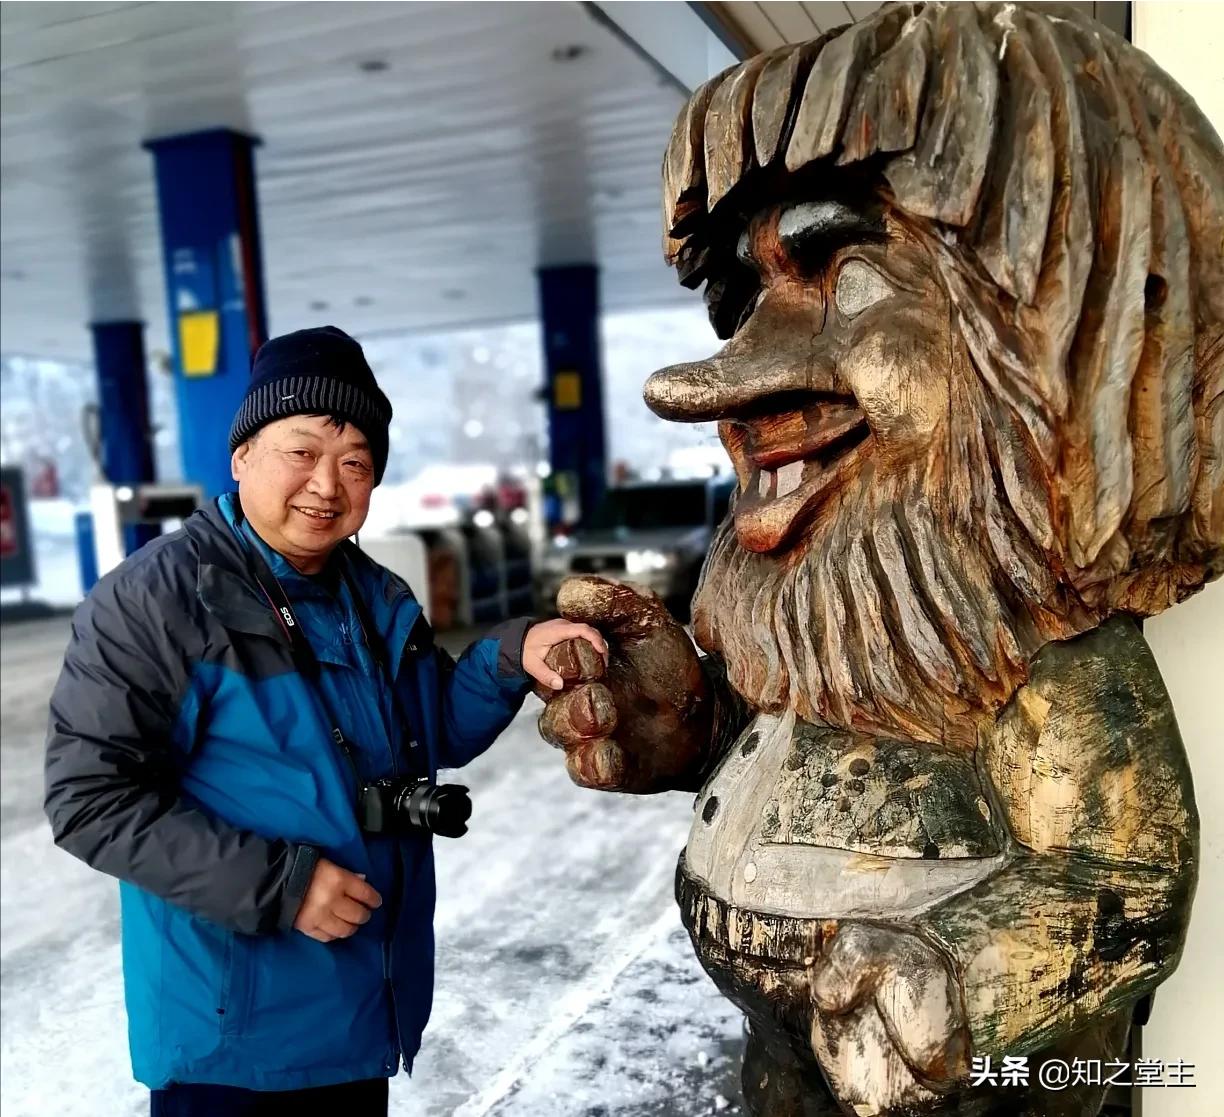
(420, 195)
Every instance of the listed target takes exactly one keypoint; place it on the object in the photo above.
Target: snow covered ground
(566, 986)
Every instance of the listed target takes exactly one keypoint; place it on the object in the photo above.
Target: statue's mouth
(789, 455)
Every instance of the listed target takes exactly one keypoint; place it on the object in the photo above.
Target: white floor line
(572, 1007)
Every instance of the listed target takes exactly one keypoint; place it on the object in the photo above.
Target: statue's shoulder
(1087, 755)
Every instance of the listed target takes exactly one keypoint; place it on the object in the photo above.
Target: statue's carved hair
(1074, 196)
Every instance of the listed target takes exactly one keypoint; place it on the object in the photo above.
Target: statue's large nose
(779, 349)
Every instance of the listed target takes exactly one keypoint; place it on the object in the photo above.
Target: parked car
(654, 534)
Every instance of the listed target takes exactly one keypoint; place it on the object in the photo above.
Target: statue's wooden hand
(642, 721)
(892, 998)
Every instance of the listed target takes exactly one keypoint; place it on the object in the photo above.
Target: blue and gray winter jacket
(188, 757)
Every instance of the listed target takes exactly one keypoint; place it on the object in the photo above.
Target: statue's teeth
(763, 484)
(789, 477)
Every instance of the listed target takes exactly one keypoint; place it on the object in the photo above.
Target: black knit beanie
(315, 372)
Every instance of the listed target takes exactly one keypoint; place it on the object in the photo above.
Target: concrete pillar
(214, 286)
(125, 440)
(569, 313)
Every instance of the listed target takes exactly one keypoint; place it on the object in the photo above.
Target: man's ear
(238, 460)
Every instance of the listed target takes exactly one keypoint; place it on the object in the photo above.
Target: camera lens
(440, 809)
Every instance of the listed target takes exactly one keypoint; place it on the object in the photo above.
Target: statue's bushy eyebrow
(827, 220)
(813, 231)
(822, 227)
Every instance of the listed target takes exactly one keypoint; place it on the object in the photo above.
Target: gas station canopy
(418, 161)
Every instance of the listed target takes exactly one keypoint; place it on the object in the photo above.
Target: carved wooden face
(969, 343)
(838, 362)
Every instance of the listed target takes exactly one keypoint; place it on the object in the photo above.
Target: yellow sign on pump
(567, 391)
(199, 340)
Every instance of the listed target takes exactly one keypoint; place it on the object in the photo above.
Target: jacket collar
(228, 590)
(223, 583)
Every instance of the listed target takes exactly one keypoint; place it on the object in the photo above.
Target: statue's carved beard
(894, 615)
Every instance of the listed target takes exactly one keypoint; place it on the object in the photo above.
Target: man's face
(305, 486)
(838, 362)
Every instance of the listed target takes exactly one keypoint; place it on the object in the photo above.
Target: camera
(399, 806)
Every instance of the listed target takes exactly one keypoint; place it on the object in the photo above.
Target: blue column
(125, 440)
(569, 312)
(214, 286)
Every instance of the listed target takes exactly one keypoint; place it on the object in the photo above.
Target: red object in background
(511, 494)
(8, 524)
(44, 481)
(485, 500)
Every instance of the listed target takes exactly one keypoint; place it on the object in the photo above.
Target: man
(277, 934)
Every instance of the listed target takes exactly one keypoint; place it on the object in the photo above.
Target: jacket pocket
(196, 984)
(312, 1003)
(234, 998)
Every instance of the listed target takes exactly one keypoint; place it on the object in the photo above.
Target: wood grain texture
(1051, 155)
(968, 264)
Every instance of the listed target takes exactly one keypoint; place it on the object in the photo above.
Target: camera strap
(304, 658)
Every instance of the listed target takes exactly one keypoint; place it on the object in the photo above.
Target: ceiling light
(571, 52)
(319, 304)
(454, 294)
(363, 300)
(373, 65)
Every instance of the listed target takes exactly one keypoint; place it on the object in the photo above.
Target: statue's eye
(859, 286)
(731, 299)
(743, 250)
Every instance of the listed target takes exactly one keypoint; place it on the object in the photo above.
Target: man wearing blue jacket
(230, 698)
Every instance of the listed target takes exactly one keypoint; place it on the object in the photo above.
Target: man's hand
(336, 903)
(891, 997)
(543, 637)
(640, 718)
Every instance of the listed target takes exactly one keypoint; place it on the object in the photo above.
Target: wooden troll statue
(968, 261)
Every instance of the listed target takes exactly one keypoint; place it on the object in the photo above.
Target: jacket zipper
(388, 964)
(385, 680)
